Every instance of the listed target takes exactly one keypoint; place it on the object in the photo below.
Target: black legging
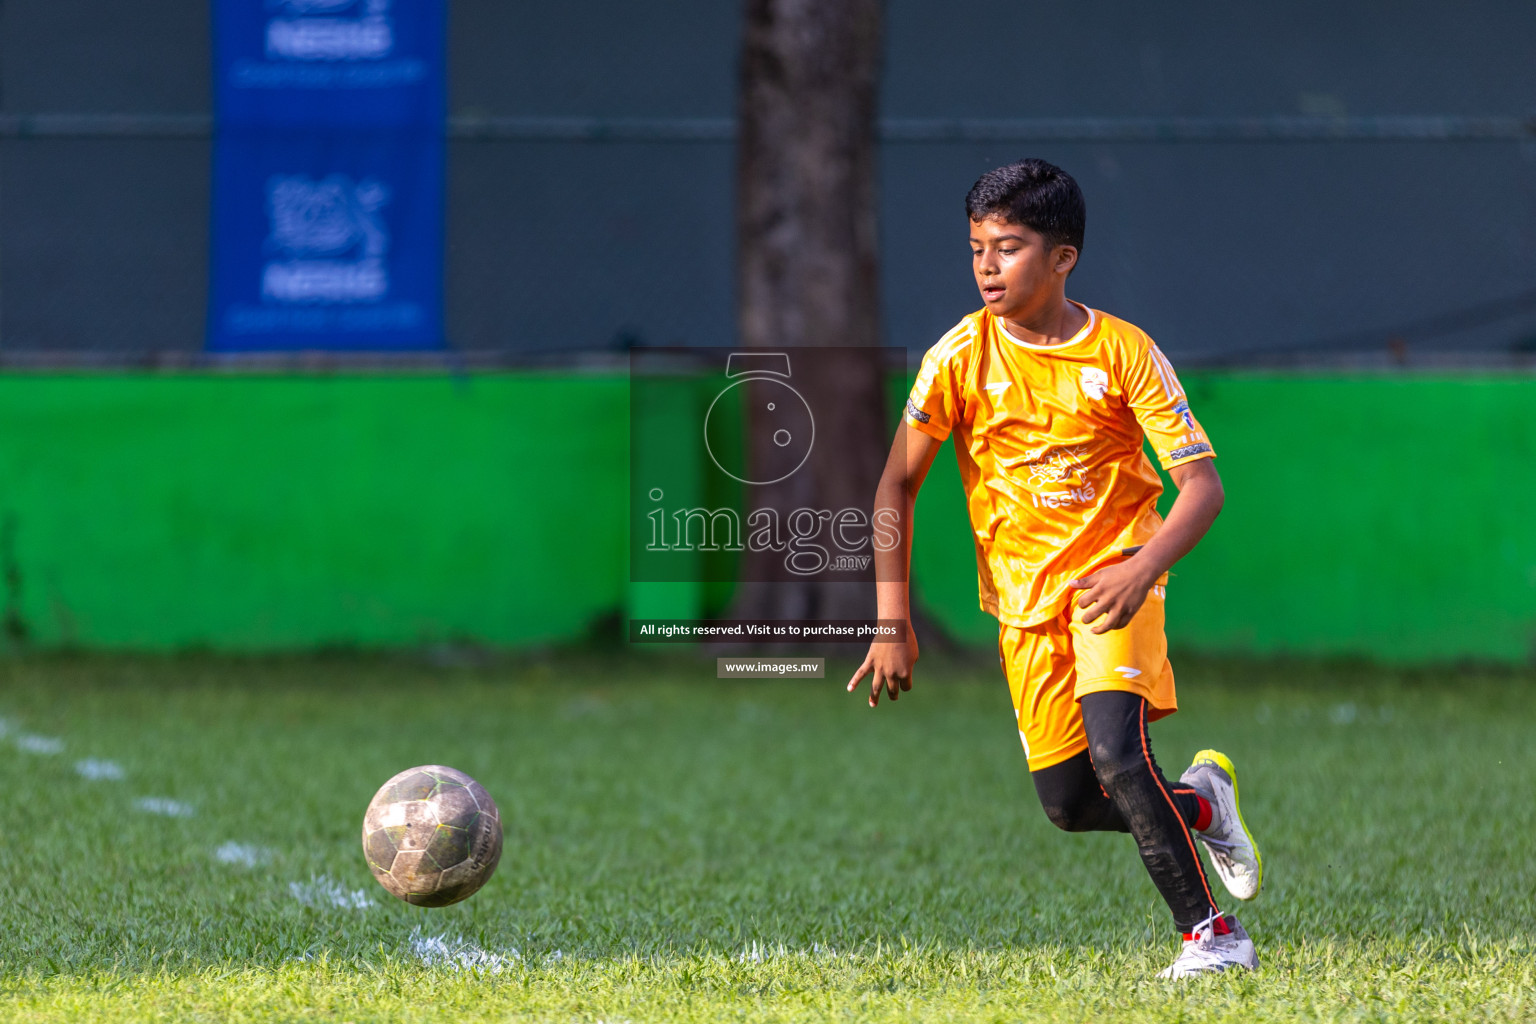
(1116, 786)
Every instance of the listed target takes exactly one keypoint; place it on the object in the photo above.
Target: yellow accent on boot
(1224, 762)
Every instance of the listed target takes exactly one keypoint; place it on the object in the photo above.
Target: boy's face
(1017, 272)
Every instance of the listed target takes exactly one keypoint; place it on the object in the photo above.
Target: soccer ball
(432, 836)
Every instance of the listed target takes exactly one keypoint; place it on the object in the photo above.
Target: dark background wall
(1215, 247)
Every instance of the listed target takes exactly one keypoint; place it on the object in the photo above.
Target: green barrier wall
(1388, 516)
(269, 513)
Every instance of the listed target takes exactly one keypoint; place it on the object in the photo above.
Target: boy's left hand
(1114, 594)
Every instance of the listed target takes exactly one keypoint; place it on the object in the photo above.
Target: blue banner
(329, 62)
(327, 227)
(327, 241)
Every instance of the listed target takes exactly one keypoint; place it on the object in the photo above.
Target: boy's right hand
(890, 667)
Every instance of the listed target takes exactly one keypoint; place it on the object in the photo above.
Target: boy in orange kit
(1049, 403)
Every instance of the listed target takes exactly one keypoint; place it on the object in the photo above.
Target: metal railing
(1267, 128)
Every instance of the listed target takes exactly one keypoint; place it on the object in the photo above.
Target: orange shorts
(1051, 666)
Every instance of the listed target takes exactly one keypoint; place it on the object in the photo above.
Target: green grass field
(680, 848)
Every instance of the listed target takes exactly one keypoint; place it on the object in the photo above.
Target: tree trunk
(808, 261)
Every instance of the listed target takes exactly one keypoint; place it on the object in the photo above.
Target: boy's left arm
(1115, 593)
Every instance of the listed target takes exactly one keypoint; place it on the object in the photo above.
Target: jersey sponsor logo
(1053, 465)
(1095, 383)
(1062, 499)
(916, 413)
(1127, 671)
(1188, 450)
(1183, 410)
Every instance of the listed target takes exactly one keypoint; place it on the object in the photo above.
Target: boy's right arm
(890, 663)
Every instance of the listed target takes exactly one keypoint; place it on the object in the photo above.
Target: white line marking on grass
(164, 805)
(759, 952)
(245, 855)
(39, 744)
(323, 891)
(456, 954)
(96, 770)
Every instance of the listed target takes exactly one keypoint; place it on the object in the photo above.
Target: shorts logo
(1127, 671)
(1187, 451)
(916, 413)
(1095, 383)
(996, 390)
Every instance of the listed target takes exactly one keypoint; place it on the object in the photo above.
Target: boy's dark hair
(1037, 194)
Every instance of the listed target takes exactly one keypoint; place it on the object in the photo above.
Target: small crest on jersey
(1183, 410)
(1095, 383)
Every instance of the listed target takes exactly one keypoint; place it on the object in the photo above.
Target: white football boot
(1226, 838)
(1205, 952)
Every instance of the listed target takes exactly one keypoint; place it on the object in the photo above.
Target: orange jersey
(1049, 440)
